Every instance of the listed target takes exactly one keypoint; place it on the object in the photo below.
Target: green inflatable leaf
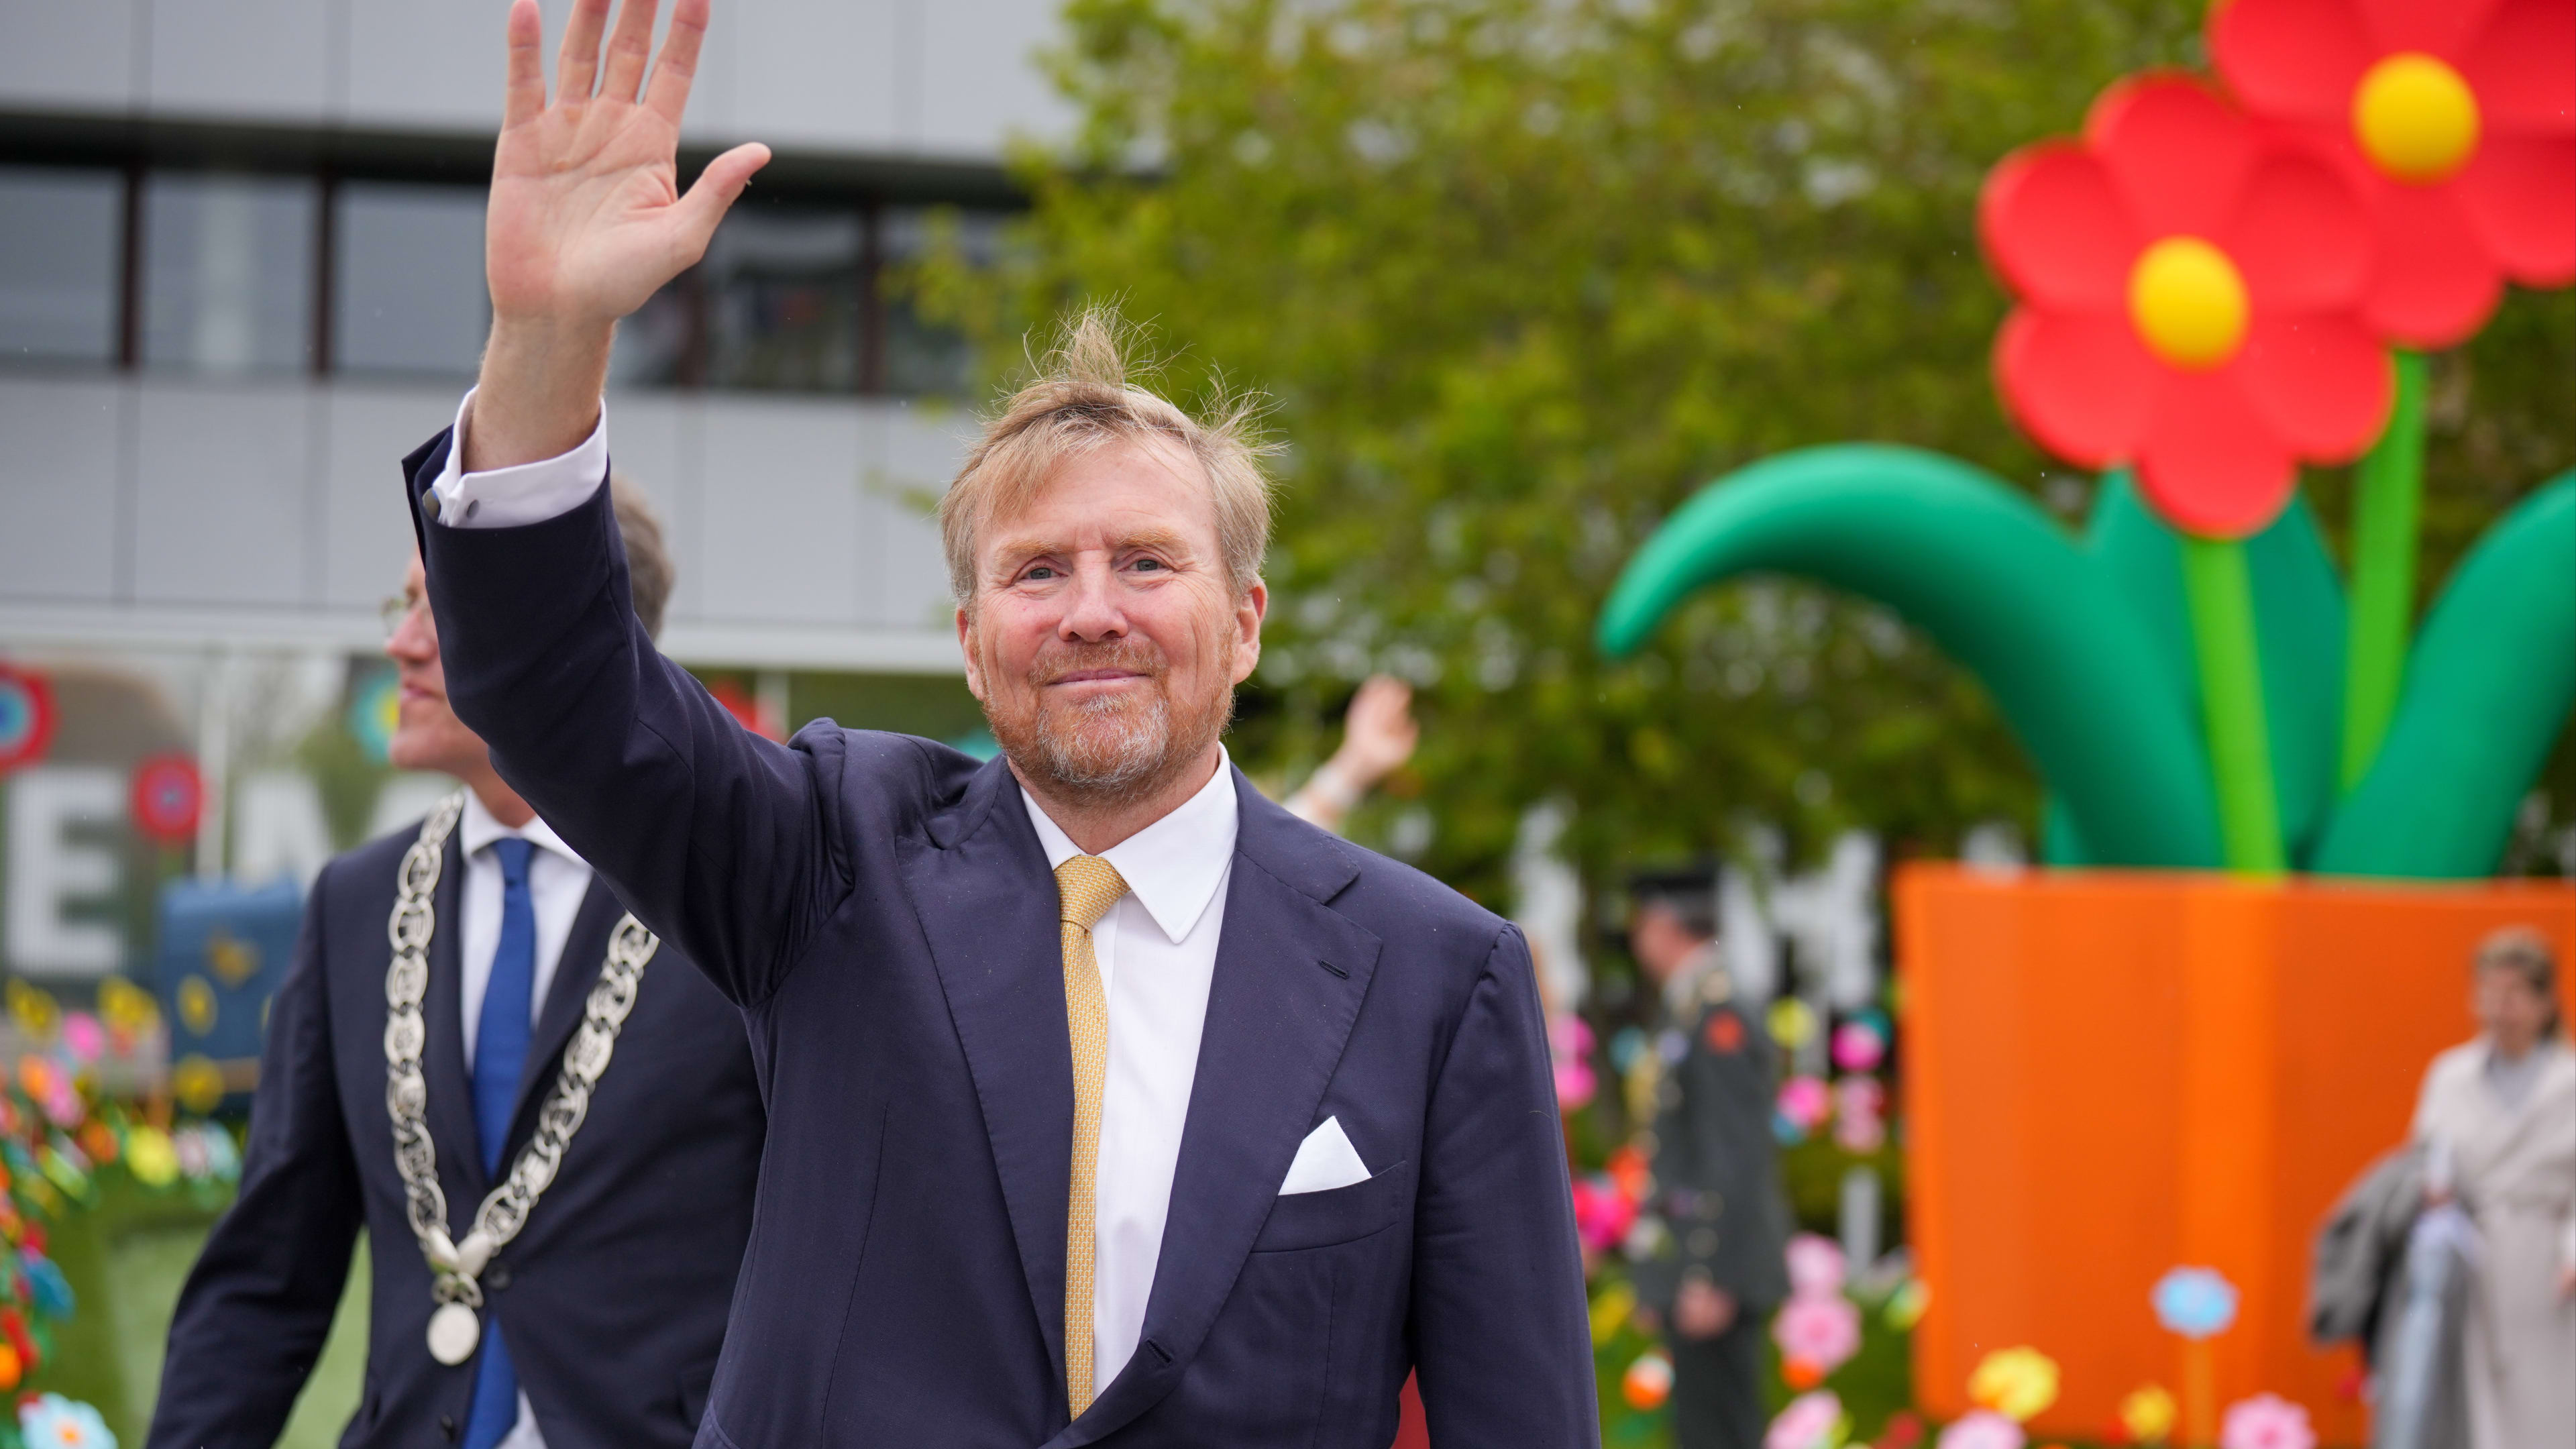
(2489, 682)
(2085, 685)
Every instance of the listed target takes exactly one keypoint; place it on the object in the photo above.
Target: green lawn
(126, 1259)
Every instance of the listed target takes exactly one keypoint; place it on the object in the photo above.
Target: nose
(415, 637)
(1091, 607)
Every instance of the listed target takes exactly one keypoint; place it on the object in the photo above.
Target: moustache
(1130, 656)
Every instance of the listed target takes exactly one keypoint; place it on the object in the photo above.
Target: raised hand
(1378, 735)
(586, 220)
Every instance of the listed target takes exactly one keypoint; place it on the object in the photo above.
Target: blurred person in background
(1719, 1268)
(2497, 1120)
(598, 1322)
(1378, 736)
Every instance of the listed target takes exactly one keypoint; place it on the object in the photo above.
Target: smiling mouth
(1096, 676)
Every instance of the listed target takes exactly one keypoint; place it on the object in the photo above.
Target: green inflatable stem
(2388, 504)
(1999, 586)
(2491, 682)
(2221, 596)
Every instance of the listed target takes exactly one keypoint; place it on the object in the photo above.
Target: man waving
(1109, 1103)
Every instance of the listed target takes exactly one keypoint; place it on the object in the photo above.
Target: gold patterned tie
(1086, 886)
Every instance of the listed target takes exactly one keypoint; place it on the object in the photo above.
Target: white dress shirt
(557, 881)
(1156, 947)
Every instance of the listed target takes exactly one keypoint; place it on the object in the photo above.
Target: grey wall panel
(59, 489)
(920, 453)
(365, 535)
(980, 82)
(819, 76)
(78, 54)
(434, 66)
(781, 539)
(277, 60)
(222, 497)
(651, 437)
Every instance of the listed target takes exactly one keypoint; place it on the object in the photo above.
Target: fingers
(577, 65)
(525, 94)
(678, 66)
(630, 46)
(715, 191)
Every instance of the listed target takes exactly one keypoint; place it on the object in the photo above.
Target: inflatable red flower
(2457, 119)
(2190, 290)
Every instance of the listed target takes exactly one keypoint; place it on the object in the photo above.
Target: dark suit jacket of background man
(882, 910)
(615, 1292)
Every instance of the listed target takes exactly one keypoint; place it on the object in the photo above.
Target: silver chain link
(504, 1211)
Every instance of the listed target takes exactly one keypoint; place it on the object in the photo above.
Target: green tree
(1521, 275)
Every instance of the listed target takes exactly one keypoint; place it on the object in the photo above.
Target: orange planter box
(2108, 1074)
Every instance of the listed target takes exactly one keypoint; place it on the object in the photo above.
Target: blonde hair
(2525, 952)
(1083, 398)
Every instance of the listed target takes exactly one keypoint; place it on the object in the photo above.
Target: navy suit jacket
(882, 911)
(614, 1294)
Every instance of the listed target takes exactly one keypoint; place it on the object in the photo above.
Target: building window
(59, 264)
(924, 358)
(407, 288)
(228, 275)
(785, 290)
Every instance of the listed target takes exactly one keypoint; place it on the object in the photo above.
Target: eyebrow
(1160, 540)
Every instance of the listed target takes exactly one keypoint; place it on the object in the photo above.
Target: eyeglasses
(397, 609)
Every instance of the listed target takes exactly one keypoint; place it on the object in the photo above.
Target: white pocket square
(1325, 1160)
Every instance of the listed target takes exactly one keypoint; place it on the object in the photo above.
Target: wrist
(538, 393)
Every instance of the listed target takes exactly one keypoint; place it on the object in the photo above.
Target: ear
(966, 647)
(1249, 611)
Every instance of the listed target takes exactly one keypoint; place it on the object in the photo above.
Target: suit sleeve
(1502, 1343)
(717, 836)
(258, 1305)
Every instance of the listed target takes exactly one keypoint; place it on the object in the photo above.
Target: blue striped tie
(500, 1052)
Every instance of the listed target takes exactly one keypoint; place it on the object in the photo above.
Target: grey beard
(1128, 761)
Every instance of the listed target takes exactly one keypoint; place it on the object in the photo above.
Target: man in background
(596, 1322)
(1719, 1269)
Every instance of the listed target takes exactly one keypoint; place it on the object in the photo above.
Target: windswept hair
(1084, 397)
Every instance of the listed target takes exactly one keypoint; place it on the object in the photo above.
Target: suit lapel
(585, 951)
(986, 902)
(451, 1083)
(1290, 976)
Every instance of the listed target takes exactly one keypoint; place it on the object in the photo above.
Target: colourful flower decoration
(1859, 1045)
(1792, 1022)
(1804, 1101)
(1983, 1429)
(1810, 1421)
(2195, 1302)
(51, 1421)
(1648, 1382)
(1612, 1310)
(1818, 1330)
(2147, 1414)
(1858, 1126)
(1816, 1264)
(47, 1288)
(2014, 1382)
(2190, 296)
(1906, 1306)
(1569, 1049)
(1602, 1213)
(2456, 119)
(151, 1157)
(2266, 1421)
(1904, 1430)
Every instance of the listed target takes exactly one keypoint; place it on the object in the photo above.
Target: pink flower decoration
(2266, 1421)
(1815, 1264)
(1858, 1047)
(1984, 1429)
(82, 1037)
(1803, 1101)
(1818, 1328)
(1602, 1213)
(1807, 1423)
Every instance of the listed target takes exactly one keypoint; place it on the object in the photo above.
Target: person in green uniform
(1713, 1246)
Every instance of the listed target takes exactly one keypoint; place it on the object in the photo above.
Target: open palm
(586, 219)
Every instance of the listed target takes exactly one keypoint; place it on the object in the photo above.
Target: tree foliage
(1521, 275)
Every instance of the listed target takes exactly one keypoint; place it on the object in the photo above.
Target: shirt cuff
(527, 493)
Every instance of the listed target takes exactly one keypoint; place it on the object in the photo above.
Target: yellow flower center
(2415, 118)
(2188, 302)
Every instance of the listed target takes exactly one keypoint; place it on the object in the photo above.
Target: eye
(1144, 564)
(1039, 573)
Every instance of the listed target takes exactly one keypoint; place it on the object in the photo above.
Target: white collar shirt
(558, 880)
(1157, 955)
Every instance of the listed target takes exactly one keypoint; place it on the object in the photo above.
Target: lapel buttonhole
(1336, 970)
